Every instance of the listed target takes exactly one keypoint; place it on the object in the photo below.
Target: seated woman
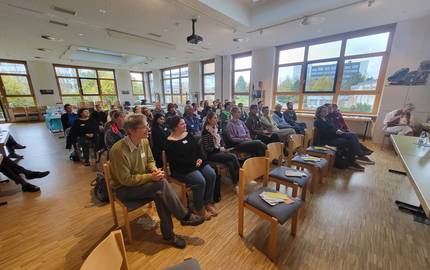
(255, 128)
(136, 110)
(85, 132)
(328, 135)
(149, 117)
(267, 123)
(114, 131)
(212, 145)
(188, 165)
(239, 137)
(159, 134)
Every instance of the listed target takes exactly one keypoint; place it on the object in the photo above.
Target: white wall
(195, 80)
(263, 69)
(42, 77)
(123, 83)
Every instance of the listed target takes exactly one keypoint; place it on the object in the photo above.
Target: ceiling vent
(133, 37)
(154, 35)
(63, 10)
(58, 23)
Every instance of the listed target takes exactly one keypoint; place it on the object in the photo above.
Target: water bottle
(422, 138)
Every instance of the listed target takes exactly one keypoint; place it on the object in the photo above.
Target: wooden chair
(182, 186)
(275, 151)
(127, 207)
(328, 154)
(187, 264)
(32, 113)
(295, 145)
(252, 169)
(110, 254)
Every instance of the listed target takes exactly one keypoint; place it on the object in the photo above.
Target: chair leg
(278, 186)
(241, 217)
(184, 199)
(115, 218)
(295, 190)
(304, 191)
(272, 239)
(321, 173)
(127, 225)
(294, 222)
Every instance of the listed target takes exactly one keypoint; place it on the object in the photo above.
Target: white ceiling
(219, 21)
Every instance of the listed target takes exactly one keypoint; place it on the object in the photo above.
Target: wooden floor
(351, 222)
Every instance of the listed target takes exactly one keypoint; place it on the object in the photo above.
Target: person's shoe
(16, 156)
(212, 210)
(19, 146)
(33, 175)
(87, 163)
(147, 222)
(177, 242)
(365, 160)
(367, 152)
(356, 167)
(193, 220)
(30, 188)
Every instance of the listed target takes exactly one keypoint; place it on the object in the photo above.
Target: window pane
(184, 71)
(313, 102)
(106, 74)
(289, 78)
(168, 99)
(166, 74)
(356, 103)
(175, 73)
(209, 68)
(283, 100)
(74, 100)
(68, 86)
(15, 85)
(184, 84)
(108, 87)
(324, 51)
(175, 86)
(292, 55)
(109, 99)
(89, 86)
(20, 101)
(135, 76)
(243, 62)
(209, 82)
(209, 98)
(242, 99)
(91, 98)
(320, 76)
(66, 72)
(184, 99)
(137, 88)
(241, 81)
(177, 99)
(167, 89)
(367, 44)
(87, 73)
(12, 68)
(361, 74)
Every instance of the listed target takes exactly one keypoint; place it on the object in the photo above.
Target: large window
(242, 65)
(208, 80)
(15, 84)
(83, 84)
(346, 69)
(175, 84)
(151, 86)
(137, 85)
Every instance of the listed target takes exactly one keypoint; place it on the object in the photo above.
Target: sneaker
(177, 242)
(30, 188)
(147, 222)
(32, 175)
(19, 146)
(365, 160)
(193, 220)
(356, 167)
(16, 156)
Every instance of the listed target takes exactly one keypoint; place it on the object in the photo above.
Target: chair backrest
(294, 145)
(275, 150)
(108, 255)
(106, 170)
(309, 137)
(165, 162)
(252, 169)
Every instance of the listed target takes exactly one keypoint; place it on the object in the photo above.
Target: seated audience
(157, 109)
(238, 135)
(99, 115)
(137, 110)
(68, 118)
(188, 165)
(214, 149)
(16, 173)
(135, 177)
(256, 129)
(206, 109)
(291, 118)
(279, 119)
(225, 116)
(148, 114)
(171, 110)
(260, 105)
(196, 111)
(85, 132)
(268, 124)
(243, 114)
(114, 131)
(159, 134)
(194, 125)
(400, 121)
(11, 146)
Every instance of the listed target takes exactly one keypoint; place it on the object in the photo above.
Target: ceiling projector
(194, 39)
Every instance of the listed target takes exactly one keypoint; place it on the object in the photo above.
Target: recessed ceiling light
(44, 49)
(80, 35)
(52, 38)
(102, 11)
(39, 57)
(238, 39)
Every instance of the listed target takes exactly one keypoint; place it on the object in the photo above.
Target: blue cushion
(319, 164)
(282, 212)
(133, 205)
(279, 173)
(320, 151)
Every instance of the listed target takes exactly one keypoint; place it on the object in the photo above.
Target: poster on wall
(46, 91)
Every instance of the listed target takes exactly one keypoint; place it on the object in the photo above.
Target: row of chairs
(32, 113)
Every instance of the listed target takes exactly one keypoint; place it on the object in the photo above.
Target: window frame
(3, 89)
(233, 72)
(180, 77)
(203, 63)
(152, 97)
(81, 94)
(337, 91)
(143, 83)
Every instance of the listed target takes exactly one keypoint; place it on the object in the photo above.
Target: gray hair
(133, 122)
(411, 106)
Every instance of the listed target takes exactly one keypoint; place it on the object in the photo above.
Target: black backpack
(100, 188)
(343, 159)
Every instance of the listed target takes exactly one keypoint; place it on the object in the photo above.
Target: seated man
(279, 119)
(12, 145)
(99, 115)
(268, 124)
(68, 118)
(291, 118)
(225, 116)
(15, 172)
(135, 177)
(256, 129)
(243, 113)
(400, 121)
(194, 125)
(158, 109)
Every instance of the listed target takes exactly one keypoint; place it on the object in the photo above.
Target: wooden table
(416, 160)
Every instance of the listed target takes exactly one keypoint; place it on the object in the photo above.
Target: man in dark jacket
(291, 118)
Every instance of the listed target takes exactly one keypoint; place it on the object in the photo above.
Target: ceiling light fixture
(102, 11)
(44, 50)
(238, 39)
(52, 38)
(63, 10)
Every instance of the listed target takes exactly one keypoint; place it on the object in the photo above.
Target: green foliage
(355, 79)
(89, 86)
(108, 87)
(241, 85)
(20, 101)
(358, 107)
(16, 85)
(288, 85)
(242, 99)
(283, 100)
(324, 83)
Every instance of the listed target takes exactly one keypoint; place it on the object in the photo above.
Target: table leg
(3, 181)
(365, 131)
(416, 211)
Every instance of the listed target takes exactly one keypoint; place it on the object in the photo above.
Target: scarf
(115, 128)
(217, 138)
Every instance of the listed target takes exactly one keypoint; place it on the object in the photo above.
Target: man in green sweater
(135, 177)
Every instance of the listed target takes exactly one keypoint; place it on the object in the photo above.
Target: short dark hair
(66, 105)
(156, 117)
(170, 106)
(116, 114)
(228, 103)
(81, 110)
(173, 122)
(234, 109)
(253, 106)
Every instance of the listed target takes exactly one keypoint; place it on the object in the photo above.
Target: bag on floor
(342, 160)
(74, 156)
(100, 189)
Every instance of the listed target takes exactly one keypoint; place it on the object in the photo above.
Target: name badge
(184, 141)
(192, 126)
(82, 125)
(165, 129)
